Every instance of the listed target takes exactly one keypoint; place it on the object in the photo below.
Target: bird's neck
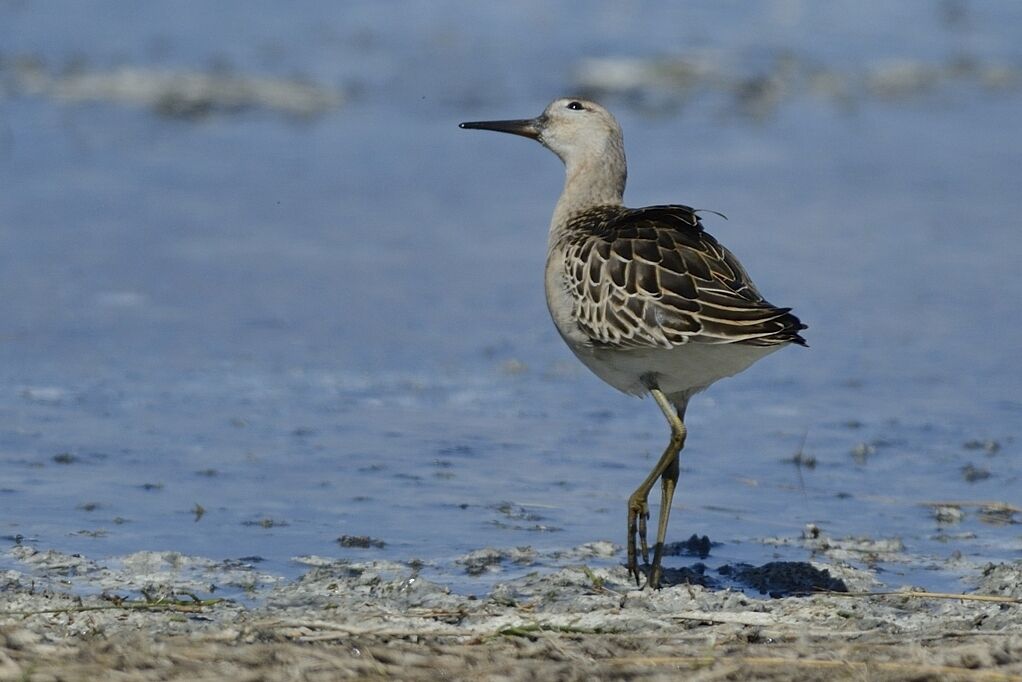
(591, 180)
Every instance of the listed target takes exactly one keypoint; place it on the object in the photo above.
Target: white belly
(684, 369)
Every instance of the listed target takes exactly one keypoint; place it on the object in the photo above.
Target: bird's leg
(668, 483)
(638, 505)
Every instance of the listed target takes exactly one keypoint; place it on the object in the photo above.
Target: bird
(646, 298)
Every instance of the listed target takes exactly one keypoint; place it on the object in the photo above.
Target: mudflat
(382, 619)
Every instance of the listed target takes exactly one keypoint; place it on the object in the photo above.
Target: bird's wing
(652, 277)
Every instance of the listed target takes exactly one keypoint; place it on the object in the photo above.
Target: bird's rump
(652, 277)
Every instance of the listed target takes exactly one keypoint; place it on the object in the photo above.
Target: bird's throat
(589, 183)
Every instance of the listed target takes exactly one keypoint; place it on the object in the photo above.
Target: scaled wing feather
(653, 277)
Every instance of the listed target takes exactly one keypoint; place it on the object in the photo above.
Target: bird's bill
(529, 127)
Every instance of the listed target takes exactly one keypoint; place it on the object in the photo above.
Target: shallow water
(335, 325)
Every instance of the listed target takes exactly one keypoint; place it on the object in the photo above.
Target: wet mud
(157, 616)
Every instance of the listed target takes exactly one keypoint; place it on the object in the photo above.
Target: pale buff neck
(595, 177)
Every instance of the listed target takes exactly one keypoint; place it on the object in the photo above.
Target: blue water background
(336, 326)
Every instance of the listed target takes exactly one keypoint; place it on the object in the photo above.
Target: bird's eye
(575, 106)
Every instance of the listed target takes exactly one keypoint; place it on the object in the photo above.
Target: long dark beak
(530, 127)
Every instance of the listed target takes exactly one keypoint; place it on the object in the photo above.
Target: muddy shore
(64, 618)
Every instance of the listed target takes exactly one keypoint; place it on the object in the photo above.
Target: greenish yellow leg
(638, 505)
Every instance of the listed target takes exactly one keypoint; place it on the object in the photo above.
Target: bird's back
(654, 278)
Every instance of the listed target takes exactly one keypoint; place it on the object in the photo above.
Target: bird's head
(573, 128)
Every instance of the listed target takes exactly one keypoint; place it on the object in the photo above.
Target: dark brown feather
(652, 277)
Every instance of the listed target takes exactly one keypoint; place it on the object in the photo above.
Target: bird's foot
(638, 513)
(654, 575)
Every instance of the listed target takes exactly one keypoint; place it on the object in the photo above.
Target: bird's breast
(559, 301)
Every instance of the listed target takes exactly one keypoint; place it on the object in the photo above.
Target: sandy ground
(381, 619)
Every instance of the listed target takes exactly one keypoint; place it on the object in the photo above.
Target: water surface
(335, 325)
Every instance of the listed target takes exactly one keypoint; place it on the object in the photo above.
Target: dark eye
(575, 106)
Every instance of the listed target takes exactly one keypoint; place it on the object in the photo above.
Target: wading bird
(644, 297)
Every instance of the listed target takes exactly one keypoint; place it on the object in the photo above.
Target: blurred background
(258, 291)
